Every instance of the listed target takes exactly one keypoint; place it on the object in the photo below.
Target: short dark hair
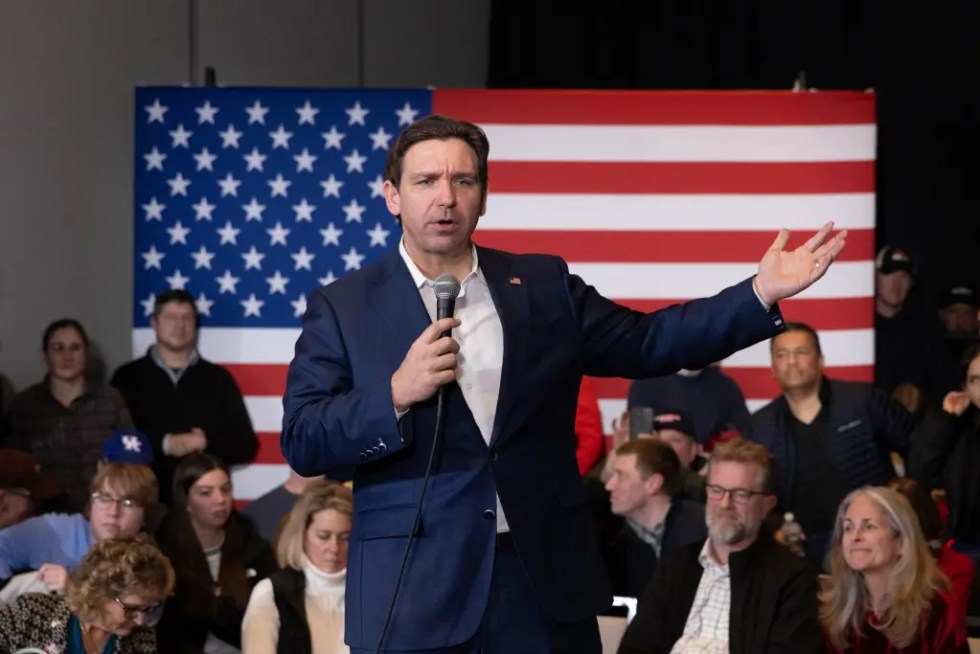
(799, 327)
(969, 355)
(177, 295)
(922, 503)
(63, 323)
(654, 457)
(438, 128)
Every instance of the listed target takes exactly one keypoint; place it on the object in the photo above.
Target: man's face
(893, 288)
(111, 518)
(732, 521)
(439, 198)
(960, 318)
(795, 362)
(174, 326)
(15, 506)
(628, 491)
(683, 445)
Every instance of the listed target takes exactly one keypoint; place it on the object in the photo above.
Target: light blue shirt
(61, 538)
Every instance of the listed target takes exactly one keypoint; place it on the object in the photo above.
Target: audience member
(182, 402)
(711, 399)
(300, 608)
(828, 437)
(642, 490)
(54, 543)
(885, 592)
(127, 446)
(740, 591)
(218, 558)
(268, 512)
(958, 568)
(63, 419)
(115, 591)
(24, 488)
(677, 430)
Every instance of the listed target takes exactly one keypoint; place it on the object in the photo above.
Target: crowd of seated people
(118, 514)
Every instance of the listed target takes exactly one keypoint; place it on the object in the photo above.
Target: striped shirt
(706, 630)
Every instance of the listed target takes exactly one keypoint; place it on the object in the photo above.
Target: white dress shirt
(706, 630)
(481, 346)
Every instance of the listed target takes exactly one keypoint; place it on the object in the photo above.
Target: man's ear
(654, 483)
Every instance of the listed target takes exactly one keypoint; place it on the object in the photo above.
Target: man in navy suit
(505, 557)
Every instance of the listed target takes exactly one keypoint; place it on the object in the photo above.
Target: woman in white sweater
(300, 609)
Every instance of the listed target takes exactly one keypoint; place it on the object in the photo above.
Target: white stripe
(612, 409)
(608, 213)
(686, 280)
(841, 347)
(755, 405)
(252, 481)
(265, 412)
(594, 143)
(234, 345)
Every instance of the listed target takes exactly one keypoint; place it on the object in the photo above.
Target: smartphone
(641, 420)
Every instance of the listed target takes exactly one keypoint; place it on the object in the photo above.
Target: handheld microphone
(447, 290)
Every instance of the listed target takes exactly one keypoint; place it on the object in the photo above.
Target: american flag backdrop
(251, 198)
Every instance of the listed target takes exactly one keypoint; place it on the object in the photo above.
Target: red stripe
(259, 378)
(549, 107)
(682, 177)
(821, 314)
(659, 246)
(269, 450)
(754, 382)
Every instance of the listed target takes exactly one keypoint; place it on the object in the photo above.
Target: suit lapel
(510, 299)
(396, 299)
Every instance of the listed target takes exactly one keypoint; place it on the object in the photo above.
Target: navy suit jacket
(338, 412)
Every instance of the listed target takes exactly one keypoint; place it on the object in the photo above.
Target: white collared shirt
(481, 346)
(706, 630)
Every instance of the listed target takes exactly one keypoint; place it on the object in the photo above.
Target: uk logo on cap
(127, 446)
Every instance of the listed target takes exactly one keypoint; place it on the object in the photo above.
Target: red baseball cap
(19, 470)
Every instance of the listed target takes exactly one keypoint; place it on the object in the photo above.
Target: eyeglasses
(739, 495)
(106, 501)
(134, 612)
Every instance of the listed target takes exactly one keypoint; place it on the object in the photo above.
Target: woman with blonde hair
(116, 590)
(885, 592)
(300, 608)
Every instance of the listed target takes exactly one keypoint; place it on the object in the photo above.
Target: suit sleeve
(328, 422)
(620, 342)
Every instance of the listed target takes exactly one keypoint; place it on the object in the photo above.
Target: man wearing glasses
(49, 546)
(740, 591)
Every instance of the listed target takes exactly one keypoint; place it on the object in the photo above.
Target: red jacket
(588, 428)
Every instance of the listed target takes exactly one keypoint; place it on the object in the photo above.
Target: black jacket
(773, 602)
(206, 397)
(865, 426)
(946, 454)
(288, 588)
(199, 605)
(631, 561)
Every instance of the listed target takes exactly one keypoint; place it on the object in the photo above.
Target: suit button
(493, 455)
(489, 514)
(362, 455)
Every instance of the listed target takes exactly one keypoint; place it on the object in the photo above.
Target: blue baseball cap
(127, 446)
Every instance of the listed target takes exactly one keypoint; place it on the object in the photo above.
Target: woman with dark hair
(63, 419)
(218, 557)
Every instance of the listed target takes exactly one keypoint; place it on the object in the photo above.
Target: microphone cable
(447, 288)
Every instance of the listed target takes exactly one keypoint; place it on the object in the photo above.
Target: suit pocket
(385, 522)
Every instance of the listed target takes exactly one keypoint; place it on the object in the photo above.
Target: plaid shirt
(706, 631)
(65, 441)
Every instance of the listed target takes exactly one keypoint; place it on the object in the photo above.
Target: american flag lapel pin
(516, 281)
